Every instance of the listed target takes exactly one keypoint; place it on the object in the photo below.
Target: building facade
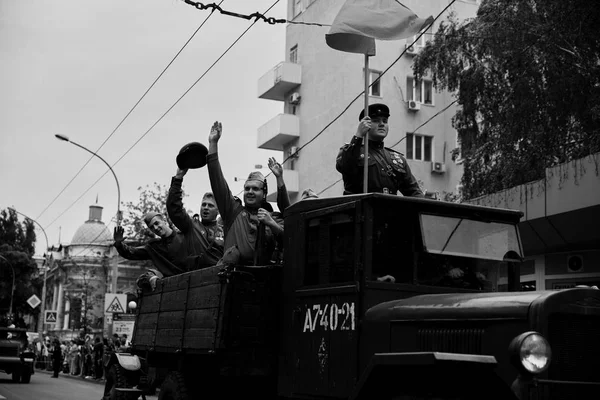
(80, 275)
(320, 87)
(559, 228)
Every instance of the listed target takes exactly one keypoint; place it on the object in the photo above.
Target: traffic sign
(34, 301)
(114, 303)
(51, 317)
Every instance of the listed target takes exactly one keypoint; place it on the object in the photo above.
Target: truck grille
(455, 340)
(574, 357)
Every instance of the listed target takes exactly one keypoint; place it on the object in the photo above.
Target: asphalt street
(43, 387)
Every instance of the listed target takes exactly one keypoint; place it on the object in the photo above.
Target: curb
(69, 376)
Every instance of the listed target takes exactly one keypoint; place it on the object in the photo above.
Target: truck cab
(373, 275)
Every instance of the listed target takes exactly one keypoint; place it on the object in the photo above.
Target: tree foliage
(17, 246)
(153, 198)
(526, 75)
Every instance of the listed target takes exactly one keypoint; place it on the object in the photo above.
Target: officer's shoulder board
(395, 152)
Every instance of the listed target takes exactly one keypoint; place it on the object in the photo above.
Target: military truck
(15, 358)
(379, 296)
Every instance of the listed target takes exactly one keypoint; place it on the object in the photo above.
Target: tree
(526, 75)
(152, 198)
(17, 246)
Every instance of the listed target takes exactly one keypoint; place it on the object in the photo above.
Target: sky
(76, 68)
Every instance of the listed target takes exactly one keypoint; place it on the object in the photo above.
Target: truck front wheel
(173, 387)
(116, 379)
(16, 375)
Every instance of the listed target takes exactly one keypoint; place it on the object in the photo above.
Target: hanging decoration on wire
(255, 16)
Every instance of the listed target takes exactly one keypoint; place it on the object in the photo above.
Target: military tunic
(388, 170)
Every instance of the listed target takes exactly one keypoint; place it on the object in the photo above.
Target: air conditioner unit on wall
(575, 263)
(411, 50)
(438, 167)
(295, 98)
(413, 105)
(293, 152)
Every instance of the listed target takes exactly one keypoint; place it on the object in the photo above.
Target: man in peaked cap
(249, 228)
(388, 170)
(169, 252)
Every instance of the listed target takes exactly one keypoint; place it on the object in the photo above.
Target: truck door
(324, 325)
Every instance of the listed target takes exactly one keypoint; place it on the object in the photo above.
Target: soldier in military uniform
(388, 170)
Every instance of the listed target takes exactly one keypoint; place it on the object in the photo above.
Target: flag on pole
(360, 22)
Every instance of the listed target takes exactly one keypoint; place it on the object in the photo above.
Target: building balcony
(277, 132)
(276, 83)
(291, 183)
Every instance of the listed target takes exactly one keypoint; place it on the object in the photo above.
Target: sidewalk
(63, 375)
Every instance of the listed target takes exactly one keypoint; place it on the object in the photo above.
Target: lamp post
(43, 306)
(116, 264)
(12, 293)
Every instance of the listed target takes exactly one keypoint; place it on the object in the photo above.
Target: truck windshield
(470, 238)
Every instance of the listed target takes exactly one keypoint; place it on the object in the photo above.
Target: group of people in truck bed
(229, 232)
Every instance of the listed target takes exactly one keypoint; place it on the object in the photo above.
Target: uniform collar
(376, 144)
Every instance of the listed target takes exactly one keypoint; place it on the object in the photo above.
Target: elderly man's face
(208, 210)
(253, 194)
(159, 226)
(379, 128)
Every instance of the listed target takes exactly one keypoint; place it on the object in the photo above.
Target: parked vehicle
(15, 357)
(379, 296)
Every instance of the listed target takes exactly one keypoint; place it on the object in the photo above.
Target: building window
(419, 147)
(422, 41)
(294, 54)
(420, 91)
(375, 89)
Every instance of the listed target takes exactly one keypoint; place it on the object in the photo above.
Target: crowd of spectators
(84, 357)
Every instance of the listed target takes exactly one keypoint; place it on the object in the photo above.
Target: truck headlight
(530, 352)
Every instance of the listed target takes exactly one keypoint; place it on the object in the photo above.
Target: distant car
(15, 357)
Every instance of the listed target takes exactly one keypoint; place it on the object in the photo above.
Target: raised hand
(180, 173)
(119, 234)
(215, 132)
(363, 127)
(275, 167)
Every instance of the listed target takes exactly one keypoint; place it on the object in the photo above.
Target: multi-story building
(320, 87)
(80, 275)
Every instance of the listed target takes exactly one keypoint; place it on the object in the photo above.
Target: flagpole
(366, 137)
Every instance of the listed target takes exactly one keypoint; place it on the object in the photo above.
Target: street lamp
(43, 307)
(12, 293)
(116, 264)
(66, 139)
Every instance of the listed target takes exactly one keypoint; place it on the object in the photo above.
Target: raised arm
(219, 186)
(128, 252)
(283, 198)
(175, 208)
(348, 156)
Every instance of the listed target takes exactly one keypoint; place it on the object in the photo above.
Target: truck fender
(129, 362)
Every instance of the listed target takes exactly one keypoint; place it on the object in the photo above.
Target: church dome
(93, 231)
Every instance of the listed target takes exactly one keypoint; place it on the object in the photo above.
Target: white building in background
(316, 83)
(82, 272)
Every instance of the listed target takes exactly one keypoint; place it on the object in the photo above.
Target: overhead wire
(129, 112)
(164, 114)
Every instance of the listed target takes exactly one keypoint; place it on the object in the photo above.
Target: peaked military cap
(376, 110)
(192, 156)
